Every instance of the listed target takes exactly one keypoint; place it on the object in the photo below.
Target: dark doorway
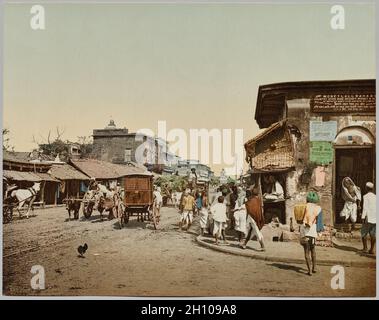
(356, 163)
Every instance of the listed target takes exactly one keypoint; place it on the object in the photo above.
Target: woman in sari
(351, 194)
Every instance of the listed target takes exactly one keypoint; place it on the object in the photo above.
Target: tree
(215, 181)
(86, 146)
(6, 139)
(171, 183)
(52, 146)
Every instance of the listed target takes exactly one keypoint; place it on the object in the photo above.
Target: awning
(272, 150)
(27, 176)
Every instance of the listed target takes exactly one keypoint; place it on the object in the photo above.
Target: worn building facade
(325, 131)
(118, 145)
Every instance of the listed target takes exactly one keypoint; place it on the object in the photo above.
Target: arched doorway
(354, 157)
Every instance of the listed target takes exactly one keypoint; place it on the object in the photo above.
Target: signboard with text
(343, 103)
(322, 130)
(321, 152)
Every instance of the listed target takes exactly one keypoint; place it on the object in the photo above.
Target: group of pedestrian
(238, 209)
(241, 209)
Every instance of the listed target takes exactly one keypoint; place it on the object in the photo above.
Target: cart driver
(93, 184)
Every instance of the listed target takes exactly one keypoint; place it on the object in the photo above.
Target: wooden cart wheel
(7, 213)
(88, 210)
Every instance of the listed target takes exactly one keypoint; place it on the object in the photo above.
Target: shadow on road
(353, 249)
(289, 267)
(345, 248)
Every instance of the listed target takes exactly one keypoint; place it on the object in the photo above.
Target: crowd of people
(231, 207)
(241, 209)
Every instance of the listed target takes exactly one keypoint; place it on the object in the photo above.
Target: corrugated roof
(66, 172)
(103, 170)
(27, 176)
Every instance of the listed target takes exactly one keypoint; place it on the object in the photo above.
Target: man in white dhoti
(351, 194)
(219, 219)
(255, 218)
(240, 221)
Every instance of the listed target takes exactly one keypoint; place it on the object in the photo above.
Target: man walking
(369, 218)
(188, 207)
(255, 219)
(157, 202)
(219, 219)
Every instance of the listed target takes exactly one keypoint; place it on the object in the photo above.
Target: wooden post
(56, 194)
(43, 192)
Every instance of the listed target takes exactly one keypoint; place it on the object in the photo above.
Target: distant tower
(111, 125)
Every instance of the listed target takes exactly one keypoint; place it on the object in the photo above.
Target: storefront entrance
(358, 164)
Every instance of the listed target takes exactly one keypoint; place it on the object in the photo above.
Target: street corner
(292, 252)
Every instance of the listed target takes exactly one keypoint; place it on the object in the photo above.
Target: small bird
(82, 250)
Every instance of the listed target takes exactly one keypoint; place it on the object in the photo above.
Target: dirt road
(139, 261)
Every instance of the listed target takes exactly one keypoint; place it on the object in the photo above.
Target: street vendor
(273, 190)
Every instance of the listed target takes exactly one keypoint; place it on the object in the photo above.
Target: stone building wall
(112, 149)
(302, 180)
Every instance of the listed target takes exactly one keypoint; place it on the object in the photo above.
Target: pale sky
(195, 66)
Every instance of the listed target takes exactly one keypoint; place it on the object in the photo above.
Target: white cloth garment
(218, 227)
(187, 216)
(219, 218)
(158, 198)
(240, 220)
(350, 211)
(278, 190)
(308, 231)
(251, 224)
(203, 218)
(219, 212)
(350, 207)
(369, 207)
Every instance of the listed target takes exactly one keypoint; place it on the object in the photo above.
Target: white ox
(26, 196)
